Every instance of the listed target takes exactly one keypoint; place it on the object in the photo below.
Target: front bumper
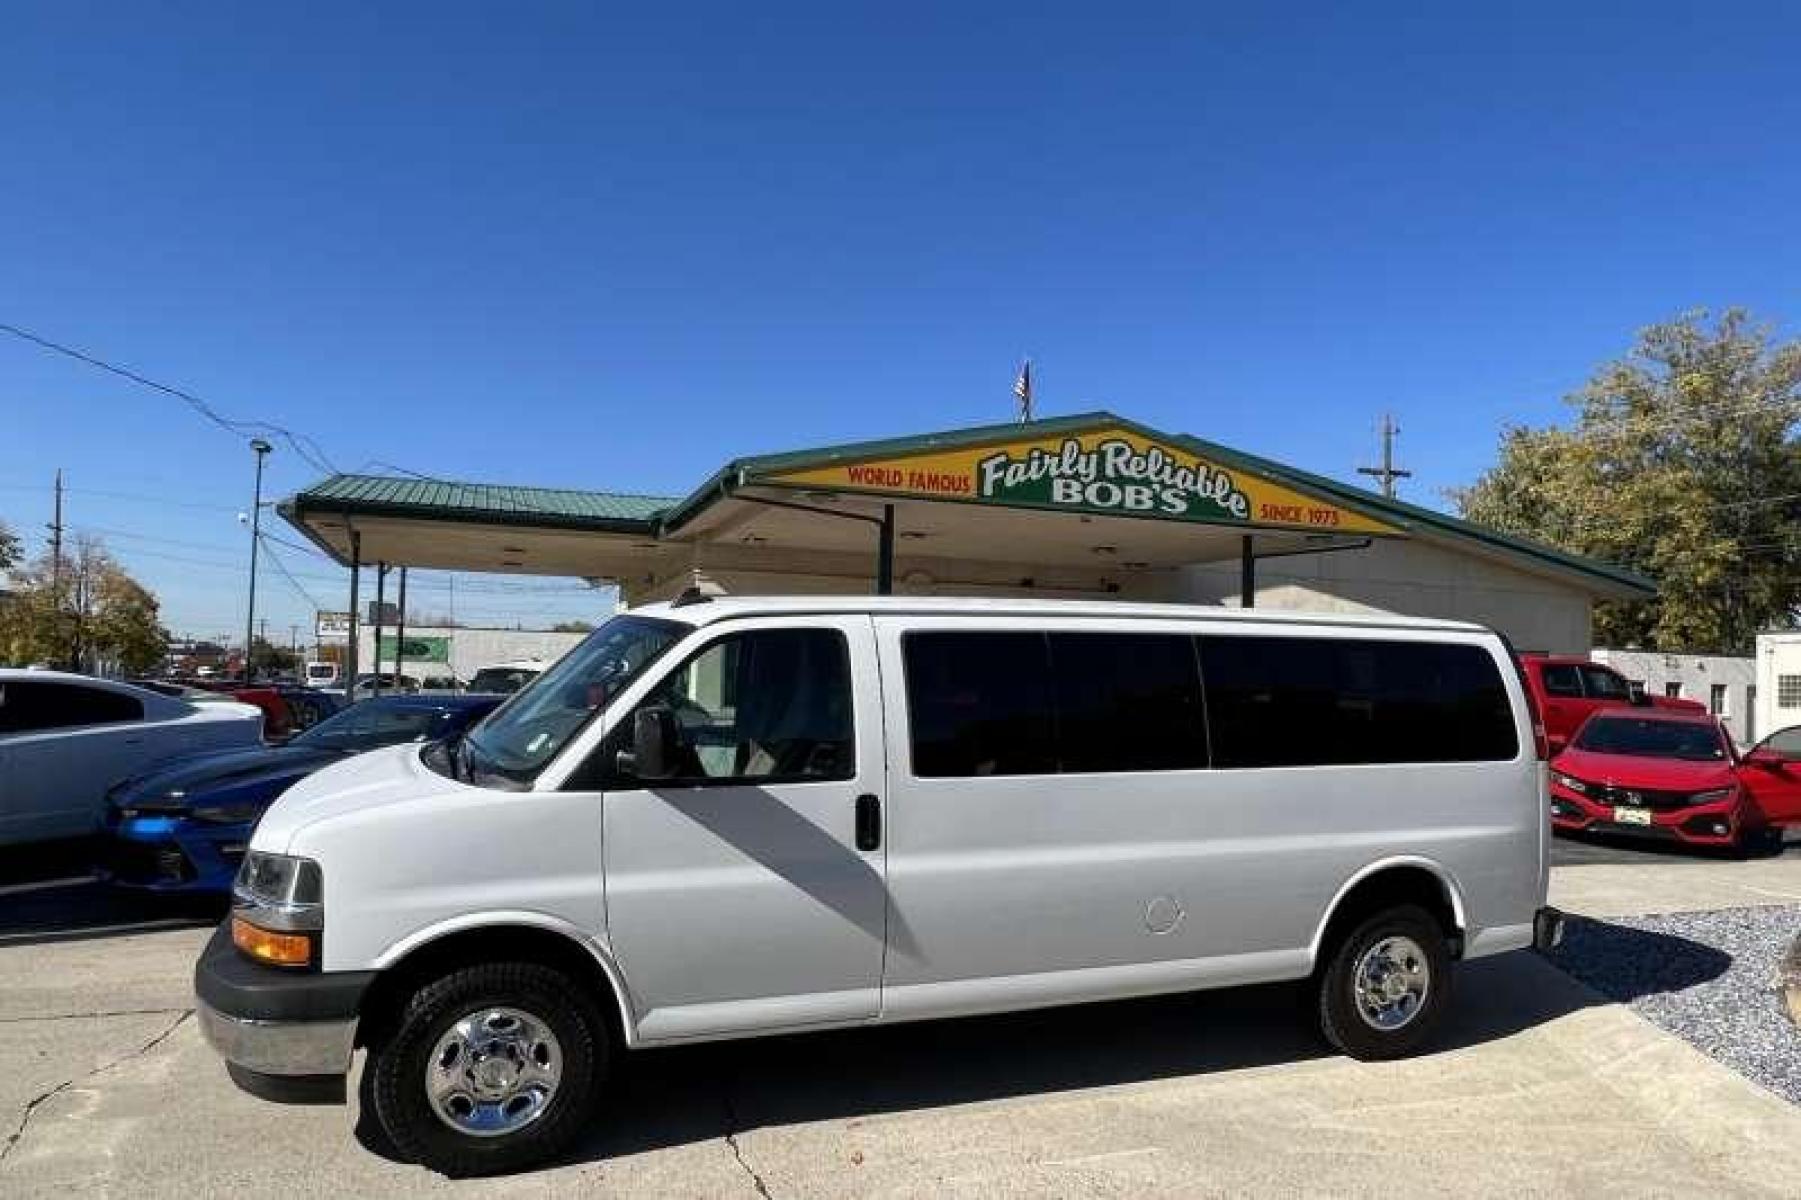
(171, 853)
(1713, 824)
(280, 1047)
(267, 1021)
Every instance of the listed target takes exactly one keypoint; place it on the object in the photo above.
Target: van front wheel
(489, 1069)
(1386, 986)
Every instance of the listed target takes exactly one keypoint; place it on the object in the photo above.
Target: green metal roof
(442, 499)
(614, 512)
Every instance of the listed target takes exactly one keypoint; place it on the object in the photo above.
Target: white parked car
(65, 739)
(721, 818)
(506, 677)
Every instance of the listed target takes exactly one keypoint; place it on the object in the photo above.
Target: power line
(292, 582)
(302, 445)
(313, 550)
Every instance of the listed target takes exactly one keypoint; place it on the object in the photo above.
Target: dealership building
(1090, 506)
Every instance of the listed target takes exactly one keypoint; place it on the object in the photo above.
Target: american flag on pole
(1022, 389)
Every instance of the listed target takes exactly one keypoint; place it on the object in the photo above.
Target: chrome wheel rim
(493, 1072)
(1390, 983)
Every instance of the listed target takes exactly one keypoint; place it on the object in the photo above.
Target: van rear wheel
(489, 1069)
(1385, 989)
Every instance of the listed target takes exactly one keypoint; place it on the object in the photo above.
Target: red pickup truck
(1567, 689)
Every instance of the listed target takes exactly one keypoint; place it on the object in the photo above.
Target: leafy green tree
(88, 615)
(1679, 464)
(572, 627)
(9, 549)
(269, 659)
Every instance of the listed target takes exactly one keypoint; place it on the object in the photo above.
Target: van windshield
(518, 739)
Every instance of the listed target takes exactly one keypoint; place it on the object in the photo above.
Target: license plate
(1632, 816)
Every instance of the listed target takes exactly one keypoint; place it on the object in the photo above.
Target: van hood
(1647, 774)
(392, 775)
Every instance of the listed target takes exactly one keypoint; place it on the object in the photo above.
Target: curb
(1788, 978)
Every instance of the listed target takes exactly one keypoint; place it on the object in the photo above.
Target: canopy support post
(884, 568)
(1247, 574)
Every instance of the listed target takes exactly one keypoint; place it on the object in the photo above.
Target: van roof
(720, 608)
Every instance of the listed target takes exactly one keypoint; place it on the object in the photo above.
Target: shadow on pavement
(1580, 849)
(664, 1098)
(1624, 964)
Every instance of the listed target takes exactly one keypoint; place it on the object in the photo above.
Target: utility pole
(261, 449)
(1387, 472)
(56, 538)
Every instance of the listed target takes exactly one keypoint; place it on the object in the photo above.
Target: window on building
(1788, 691)
(1276, 701)
(1717, 703)
(1561, 680)
(1673, 689)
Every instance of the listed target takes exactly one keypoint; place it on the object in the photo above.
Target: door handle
(869, 822)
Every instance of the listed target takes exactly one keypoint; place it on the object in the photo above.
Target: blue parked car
(182, 827)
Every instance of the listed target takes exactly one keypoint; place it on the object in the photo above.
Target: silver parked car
(64, 739)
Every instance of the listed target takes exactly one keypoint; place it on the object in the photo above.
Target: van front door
(739, 893)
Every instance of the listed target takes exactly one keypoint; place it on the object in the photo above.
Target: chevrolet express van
(727, 817)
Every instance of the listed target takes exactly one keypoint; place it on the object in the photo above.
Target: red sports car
(1675, 776)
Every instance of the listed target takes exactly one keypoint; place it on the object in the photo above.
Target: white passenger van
(726, 817)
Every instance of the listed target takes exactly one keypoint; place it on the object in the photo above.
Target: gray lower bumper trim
(280, 1047)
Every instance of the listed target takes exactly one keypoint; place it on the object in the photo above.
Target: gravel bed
(1710, 978)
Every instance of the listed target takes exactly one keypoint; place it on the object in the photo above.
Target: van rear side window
(1061, 703)
(980, 703)
(1127, 702)
(1294, 702)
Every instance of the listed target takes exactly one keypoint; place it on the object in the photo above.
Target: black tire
(398, 1067)
(1340, 1017)
(1758, 841)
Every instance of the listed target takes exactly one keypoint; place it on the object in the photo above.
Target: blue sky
(614, 247)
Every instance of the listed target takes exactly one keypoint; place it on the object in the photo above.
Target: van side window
(765, 706)
(1561, 680)
(979, 703)
(1127, 702)
(1288, 702)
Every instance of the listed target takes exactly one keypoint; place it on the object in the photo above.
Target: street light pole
(261, 448)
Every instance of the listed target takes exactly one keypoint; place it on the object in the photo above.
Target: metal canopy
(1079, 504)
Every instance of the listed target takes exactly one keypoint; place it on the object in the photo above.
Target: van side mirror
(655, 738)
(1768, 759)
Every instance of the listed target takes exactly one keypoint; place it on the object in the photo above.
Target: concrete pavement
(1540, 1088)
(1677, 885)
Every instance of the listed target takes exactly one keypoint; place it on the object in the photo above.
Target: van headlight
(278, 909)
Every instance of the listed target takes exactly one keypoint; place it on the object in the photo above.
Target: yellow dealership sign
(1110, 471)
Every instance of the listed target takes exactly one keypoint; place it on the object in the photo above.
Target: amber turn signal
(268, 946)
